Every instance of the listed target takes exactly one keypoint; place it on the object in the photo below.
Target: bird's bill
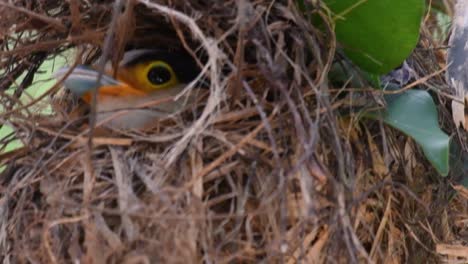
(82, 81)
(121, 90)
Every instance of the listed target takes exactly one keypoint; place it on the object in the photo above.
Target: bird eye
(159, 75)
(155, 75)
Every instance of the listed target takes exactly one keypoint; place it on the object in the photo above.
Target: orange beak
(120, 90)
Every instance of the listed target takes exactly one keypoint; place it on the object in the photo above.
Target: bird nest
(272, 165)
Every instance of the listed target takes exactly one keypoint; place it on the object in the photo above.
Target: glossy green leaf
(377, 35)
(415, 114)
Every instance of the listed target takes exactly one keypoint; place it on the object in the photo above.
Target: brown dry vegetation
(274, 165)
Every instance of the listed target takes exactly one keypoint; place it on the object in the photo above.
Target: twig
(55, 23)
(216, 89)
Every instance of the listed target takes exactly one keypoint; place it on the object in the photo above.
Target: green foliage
(42, 82)
(377, 35)
(415, 114)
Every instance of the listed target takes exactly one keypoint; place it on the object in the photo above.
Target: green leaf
(43, 81)
(377, 35)
(415, 114)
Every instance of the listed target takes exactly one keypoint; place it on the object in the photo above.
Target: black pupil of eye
(159, 75)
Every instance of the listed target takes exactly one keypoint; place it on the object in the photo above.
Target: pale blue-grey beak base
(83, 79)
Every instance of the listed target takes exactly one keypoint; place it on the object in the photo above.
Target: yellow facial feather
(139, 76)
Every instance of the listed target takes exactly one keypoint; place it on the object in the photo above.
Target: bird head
(141, 76)
(140, 72)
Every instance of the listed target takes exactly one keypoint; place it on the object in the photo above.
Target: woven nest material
(272, 166)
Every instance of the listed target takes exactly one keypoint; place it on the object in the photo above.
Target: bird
(143, 77)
